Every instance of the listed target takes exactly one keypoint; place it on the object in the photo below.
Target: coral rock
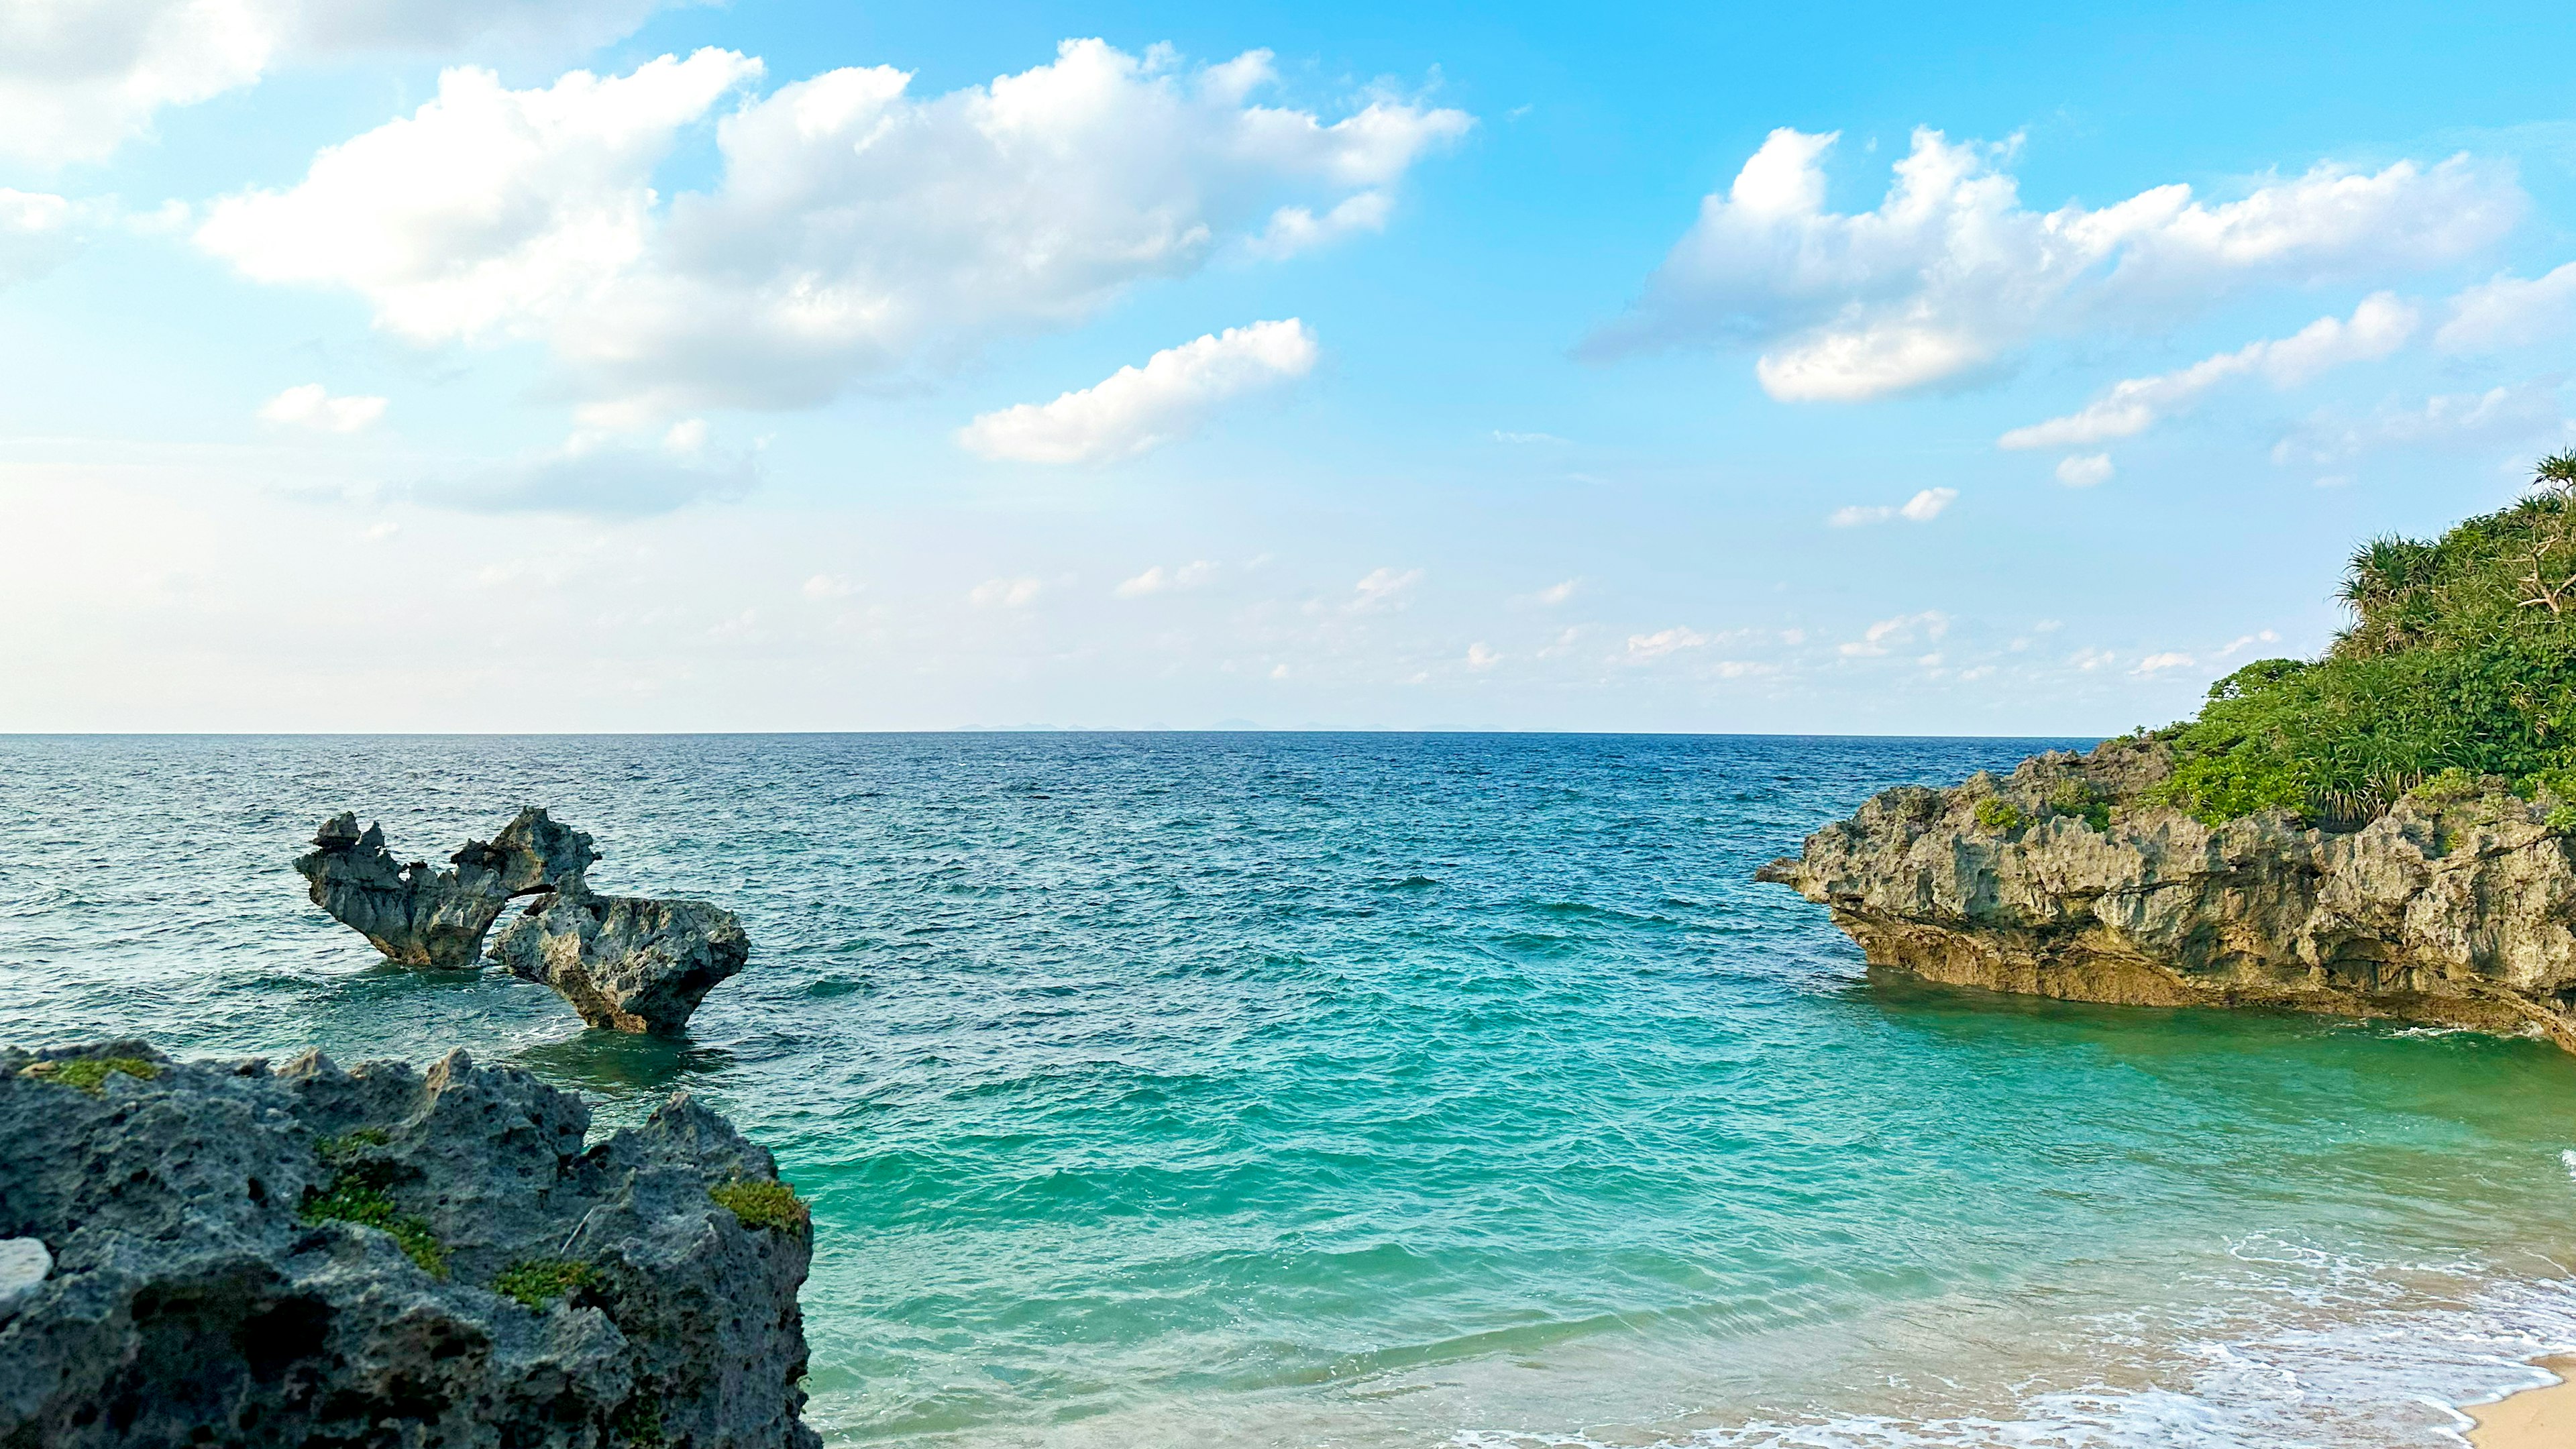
(2455, 906)
(624, 963)
(421, 917)
(309, 1255)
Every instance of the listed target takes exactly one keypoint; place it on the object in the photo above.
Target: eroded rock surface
(216, 1277)
(423, 917)
(625, 963)
(2452, 907)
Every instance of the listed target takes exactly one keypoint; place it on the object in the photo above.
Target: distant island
(2384, 831)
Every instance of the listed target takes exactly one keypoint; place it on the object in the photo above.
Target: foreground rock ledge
(384, 1256)
(2451, 908)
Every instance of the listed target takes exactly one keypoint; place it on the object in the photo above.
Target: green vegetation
(358, 1196)
(90, 1074)
(536, 1282)
(762, 1203)
(2076, 800)
(2460, 663)
(2000, 815)
(348, 1145)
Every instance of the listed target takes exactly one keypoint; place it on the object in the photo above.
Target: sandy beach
(2541, 1418)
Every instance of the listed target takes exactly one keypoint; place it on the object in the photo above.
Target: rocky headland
(626, 963)
(2452, 904)
(246, 1254)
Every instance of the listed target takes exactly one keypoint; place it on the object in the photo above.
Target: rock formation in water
(421, 917)
(2452, 906)
(626, 964)
(232, 1254)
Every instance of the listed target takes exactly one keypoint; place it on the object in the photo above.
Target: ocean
(1384, 1091)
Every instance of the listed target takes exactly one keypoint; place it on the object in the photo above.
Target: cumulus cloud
(1923, 507)
(1383, 588)
(600, 478)
(2084, 470)
(1295, 229)
(1138, 409)
(853, 230)
(2158, 663)
(1951, 273)
(2519, 411)
(1005, 593)
(37, 231)
(313, 406)
(823, 588)
(1557, 593)
(1160, 580)
(1480, 657)
(79, 77)
(2379, 326)
(1895, 633)
(2510, 312)
(1664, 641)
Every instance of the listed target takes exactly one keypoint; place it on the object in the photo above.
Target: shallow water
(1385, 1090)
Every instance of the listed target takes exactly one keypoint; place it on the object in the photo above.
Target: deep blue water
(1366, 1090)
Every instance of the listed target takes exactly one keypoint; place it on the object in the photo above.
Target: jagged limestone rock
(421, 917)
(2455, 906)
(626, 964)
(255, 1257)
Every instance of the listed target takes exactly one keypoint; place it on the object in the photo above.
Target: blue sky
(599, 365)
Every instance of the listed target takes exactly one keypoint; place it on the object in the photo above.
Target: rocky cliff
(230, 1253)
(2453, 906)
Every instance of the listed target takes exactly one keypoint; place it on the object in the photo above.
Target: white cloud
(312, 406)
(1889, 634)
(1557, 593)
(79, 77)
(1923, 507)
(1952, 274)
(1663, 642)
(853, 231)
(2260, 636)
(1479, 657)
(2527, 410)
(2378, 327)
(1383, 588)
(2510, 312)
(2157, 663)
(1140, 408)
(1295, 229)
(1005, 593)
(823, 588)
(2084, 470)
(599, 477)
(1525, 438)
(1159, 579)
(37, 232)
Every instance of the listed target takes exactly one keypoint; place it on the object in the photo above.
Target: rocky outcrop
(626, 964)
(420, 917)
(302, 1255)
(2454, 906)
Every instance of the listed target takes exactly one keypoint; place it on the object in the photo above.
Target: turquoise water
(1386, 1091)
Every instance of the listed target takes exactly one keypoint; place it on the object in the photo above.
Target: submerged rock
(2454, 906)
(420, 917)
(381, 1255)
(625, 963)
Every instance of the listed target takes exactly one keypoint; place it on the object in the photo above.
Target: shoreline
(2533, 1418)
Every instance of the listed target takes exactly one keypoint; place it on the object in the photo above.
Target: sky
(613, 365)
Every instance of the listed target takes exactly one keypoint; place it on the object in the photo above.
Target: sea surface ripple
(1383, 1090)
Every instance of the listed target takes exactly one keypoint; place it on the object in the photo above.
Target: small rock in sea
(24, 1265)
(383, 1255)
(420, 917)
(625, 963)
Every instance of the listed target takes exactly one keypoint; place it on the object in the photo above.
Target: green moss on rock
(353, 1198)
(762, 1203)
(537, 1282)
(90, 1074)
